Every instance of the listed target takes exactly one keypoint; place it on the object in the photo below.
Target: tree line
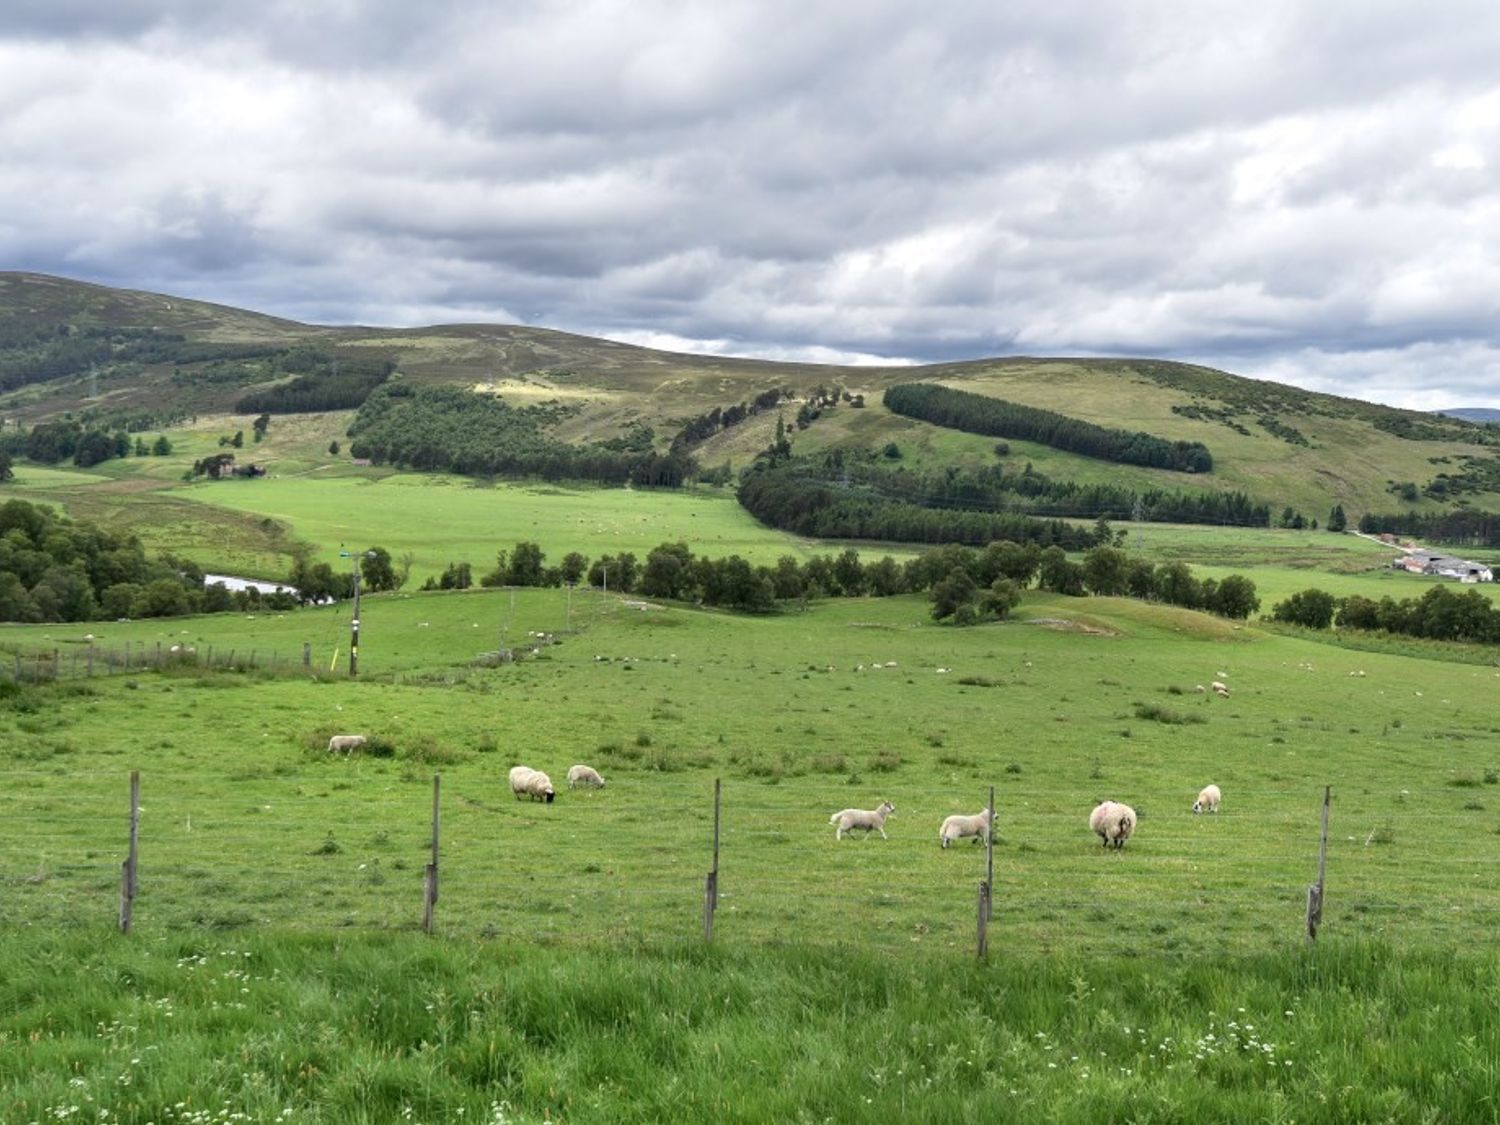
(1440, 613)
(697, 430)
(981, 414)
(56, 569)
(39, 355)
(791, 497)
(954, 576)
(328, 381)
(67, 439)
(1467, 527)
(455, 430)
(1027, 491)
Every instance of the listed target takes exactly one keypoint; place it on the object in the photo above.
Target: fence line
(351, 859)
(83, 661)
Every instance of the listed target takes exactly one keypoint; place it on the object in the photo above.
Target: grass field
(573, 929)
(275, 970)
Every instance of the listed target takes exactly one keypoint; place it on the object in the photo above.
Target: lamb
(345, 743)
(958, 826)
(586, 776)
(1208, 800)
(871, 820)
(1220, 688)
(1113, 822)
(527, 782)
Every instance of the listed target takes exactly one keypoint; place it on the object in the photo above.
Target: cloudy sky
(1306, 192)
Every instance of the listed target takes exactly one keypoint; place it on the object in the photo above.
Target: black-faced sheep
(958, 826)
(871, 820)
(1208, 799)
(1113, 822)
(527, 782)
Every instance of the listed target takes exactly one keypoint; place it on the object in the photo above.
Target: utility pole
(354, 620)
(354, 629)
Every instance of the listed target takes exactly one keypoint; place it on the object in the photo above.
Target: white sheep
(1208, 800)
(1113, 822)
(527, 782)
(586, 776)
(345, 743)
(958, 826)
(871, 820)
(1220, 688)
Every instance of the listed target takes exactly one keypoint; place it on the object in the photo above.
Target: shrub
(1161, 714)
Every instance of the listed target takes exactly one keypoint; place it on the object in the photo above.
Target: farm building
(1443, 566)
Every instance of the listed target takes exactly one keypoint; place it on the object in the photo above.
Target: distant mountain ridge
(121, 357)
(1471, 413)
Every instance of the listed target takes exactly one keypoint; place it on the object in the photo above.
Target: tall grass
(388, 1028)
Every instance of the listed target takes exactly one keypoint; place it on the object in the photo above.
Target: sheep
(527, 782)
(1208, 800)
(958, 826)
(1220, 688)
(871, 820)
(586, 776)
(345, 743)
(1113, 822)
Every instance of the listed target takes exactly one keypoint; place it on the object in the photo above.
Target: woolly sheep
(1113, 822)
(527, 782)
(958, 826)
(586, 776)
(345, 743)
(871, 820)
(1208, 800)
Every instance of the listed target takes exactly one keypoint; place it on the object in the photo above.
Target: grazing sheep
(586, 776)
(956, 827)
(1220, 688)
(527, 782)
(1113, 822)
(1208, 800)
(345, 743)
(871, 820)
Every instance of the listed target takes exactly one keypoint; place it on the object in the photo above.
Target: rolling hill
(69, 348)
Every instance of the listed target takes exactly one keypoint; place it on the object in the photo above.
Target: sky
(1302, 192)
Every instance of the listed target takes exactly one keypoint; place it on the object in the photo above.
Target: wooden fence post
(1315, 890)
(987, 884)
(711, 884)
(128, 877)
(91, 660)
(430, 884)
(307, 654)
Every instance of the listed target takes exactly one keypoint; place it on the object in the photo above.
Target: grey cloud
(1296, 190)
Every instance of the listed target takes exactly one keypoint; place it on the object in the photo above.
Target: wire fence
(326, 853)
(79, 661)
(76, 662)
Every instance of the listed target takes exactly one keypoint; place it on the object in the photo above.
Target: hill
(72, 348)
(1471, 413)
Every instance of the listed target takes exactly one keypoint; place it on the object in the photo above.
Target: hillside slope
(1280, 444)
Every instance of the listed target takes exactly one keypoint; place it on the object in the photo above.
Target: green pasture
(839, 961)
(276, 970)
(442, 519)
(799, 715)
